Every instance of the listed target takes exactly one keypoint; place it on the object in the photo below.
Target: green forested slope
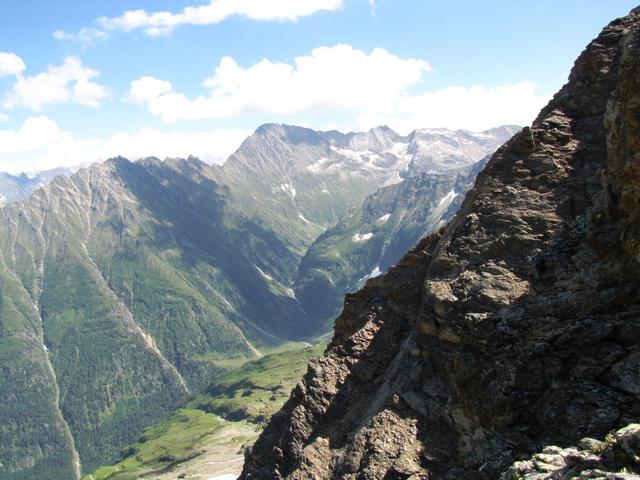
(136, 298)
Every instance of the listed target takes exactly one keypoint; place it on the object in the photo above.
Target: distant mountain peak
(17, 187)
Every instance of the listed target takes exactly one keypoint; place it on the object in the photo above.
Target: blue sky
(82, 80)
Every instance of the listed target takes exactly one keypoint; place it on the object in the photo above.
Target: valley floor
(206, 439)
(221, 459)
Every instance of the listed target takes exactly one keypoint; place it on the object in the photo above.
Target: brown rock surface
(515, 327)
(616, 458)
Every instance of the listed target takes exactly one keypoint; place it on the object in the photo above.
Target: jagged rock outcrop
(615, 458)
(515, 327)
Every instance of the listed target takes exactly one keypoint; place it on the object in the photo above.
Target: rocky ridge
(515, 327)
(615, 458)
(301, 181)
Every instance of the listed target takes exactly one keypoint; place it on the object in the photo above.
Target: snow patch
(288, 189)
(399, 149)
(225, 301)
(266, 276)
(319, 165)
(301, 217)
(383, 219)
(362, 237)
(376, 272)
(448, 198)
(353, 154)
(324, 190)
(393, 179)
(365, 159)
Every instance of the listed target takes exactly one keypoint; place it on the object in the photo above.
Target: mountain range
(129, 286)
(14, 188)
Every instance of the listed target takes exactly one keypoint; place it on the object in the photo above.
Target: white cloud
(66, 83)
(213, 146)
(473, 108)
(146, 89)
(373, 87)
(86, 36)
(4, 117)
(36, 133)
(330, 78)
(163, 23)
(10, 64)
(40, 144)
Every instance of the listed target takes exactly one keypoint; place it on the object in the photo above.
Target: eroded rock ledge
(616, 457)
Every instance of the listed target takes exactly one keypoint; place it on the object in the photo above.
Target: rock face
(515, 327)
(612, 459)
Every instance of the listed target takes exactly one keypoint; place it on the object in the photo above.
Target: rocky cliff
(515, 327)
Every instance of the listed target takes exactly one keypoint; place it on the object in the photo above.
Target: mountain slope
(134, 280)
(300, 182)
(204, 438)
(366, 242)
(516, 327)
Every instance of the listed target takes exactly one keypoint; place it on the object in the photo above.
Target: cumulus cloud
(70, 82)
(330, 78)
(34, 134)
(41, 144)
(163, 23)
(377, 88)
(86, 36)
(10, 64)
(472, 108)
(146, 89)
